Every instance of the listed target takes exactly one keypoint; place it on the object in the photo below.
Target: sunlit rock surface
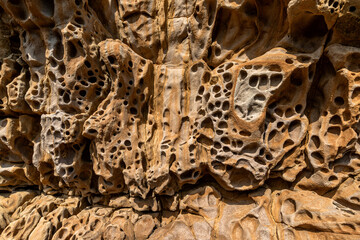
(179, 119)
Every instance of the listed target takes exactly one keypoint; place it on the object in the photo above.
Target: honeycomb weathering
(179, 119)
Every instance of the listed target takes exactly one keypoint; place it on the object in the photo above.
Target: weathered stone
(179, 119)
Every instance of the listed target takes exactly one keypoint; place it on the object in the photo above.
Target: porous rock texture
(179, 119)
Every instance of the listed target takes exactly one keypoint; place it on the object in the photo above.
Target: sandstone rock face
(179, 119)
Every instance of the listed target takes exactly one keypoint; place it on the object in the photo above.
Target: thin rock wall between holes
(197, 119)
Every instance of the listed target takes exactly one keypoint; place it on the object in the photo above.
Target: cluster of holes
(88, 80)
(110, 155)
(280, 109)
(59, 138)
(13, 87)
(16, 90)
(3, 124)
(168, 153)
(13, 90)
(333, 132)
(293, 128)
(81, 13)
(258, 85)
(130, 86)
(276, 109)
(130, 103)
(210, 9)
(216, 97)
(213, 107)
(283, 122)
(186, 176)
(37, 97)
(334, 5)
(215, 119)
(268, 77)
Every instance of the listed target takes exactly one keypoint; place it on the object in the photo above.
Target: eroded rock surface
(179, 119)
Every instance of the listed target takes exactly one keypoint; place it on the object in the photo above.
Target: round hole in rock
(229, 86)
(227, 77)
(79, 20)
(194, 68)
(225, 140)
(92, 79)
(339, 101)
(225, 105)
(226, 149)
(213, 151)
(133, 110)
(253, 81)
(216, 88)
(217, 51)
(201, 90)
(256, 67)
(335, 119)
(289, 61)
(111, 59)
(245, 133)
(260, 97)
(333, 178)
(243, 74)
(263, 80)
(229, 65)
(298, 108)
(288, 143)
(280, 124)
(223, 124)
(82, 93)
(219, 132)
(211, 106)
(289, 112)
(275, 79)
(66, 98)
